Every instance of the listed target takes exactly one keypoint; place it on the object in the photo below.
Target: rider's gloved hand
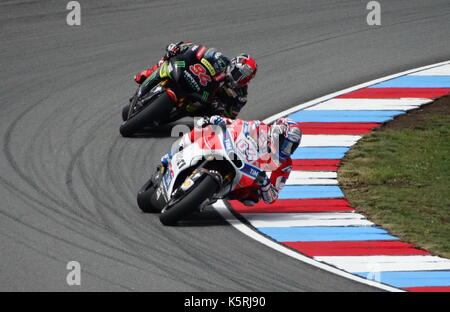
(206, 121)
(267, 191)
(173, 49)
(216, 120)
(263, 181)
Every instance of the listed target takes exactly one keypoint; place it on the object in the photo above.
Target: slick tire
(203, 190)
(125, 112)
(146, 198)
(156, 111)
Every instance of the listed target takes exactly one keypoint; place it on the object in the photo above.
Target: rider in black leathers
(230, 77)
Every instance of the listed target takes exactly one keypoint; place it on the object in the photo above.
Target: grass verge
(399, 177)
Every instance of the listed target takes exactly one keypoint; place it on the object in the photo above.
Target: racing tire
(146, 198)
(156, 111)
(125, 110)
(201, 191)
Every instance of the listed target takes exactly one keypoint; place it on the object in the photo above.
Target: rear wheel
(158, 110)
(203, 190)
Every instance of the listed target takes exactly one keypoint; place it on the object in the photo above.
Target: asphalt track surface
(68, 180)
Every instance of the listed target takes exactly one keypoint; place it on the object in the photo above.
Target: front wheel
(156, 111)
(125, 110)
(203, 190)
(146, 198)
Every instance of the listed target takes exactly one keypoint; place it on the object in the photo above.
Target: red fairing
(139, 78)
(200, 52)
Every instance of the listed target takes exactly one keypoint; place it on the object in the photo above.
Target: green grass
(400, 179)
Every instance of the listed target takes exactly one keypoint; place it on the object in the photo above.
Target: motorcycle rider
(233, 76)
(276, 143)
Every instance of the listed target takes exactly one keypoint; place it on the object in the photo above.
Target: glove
(173, 49)
(263, 181)
(206, 121)
(216, 120)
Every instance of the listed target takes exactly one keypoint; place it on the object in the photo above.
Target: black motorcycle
(180, 87)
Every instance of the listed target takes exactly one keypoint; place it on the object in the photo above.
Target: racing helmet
(285, 137)
(241, 70)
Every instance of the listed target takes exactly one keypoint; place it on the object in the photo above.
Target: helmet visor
(236, 74)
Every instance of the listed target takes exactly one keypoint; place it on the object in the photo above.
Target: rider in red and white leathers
(276, 143)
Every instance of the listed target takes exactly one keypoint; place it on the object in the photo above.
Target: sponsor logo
(220, 77)
(200, 72)
(208, 66)
(228, 145)
(191, 81)
(205, 96)
(180, 64)
(250, 170)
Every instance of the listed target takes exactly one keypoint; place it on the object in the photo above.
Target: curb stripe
(337, 127)
(383, 263)
(315, 219)
(344, 116)
(369, 104)
(295, 205)
(394, 93)
(330, 233)
(320, 153)
(312, 177)
(310, 191)
(321, 140)
(225, 212)
(355, 248)
(411, 81)
(315, 116)
(411, 279)
(315, 164)
(428, 289)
